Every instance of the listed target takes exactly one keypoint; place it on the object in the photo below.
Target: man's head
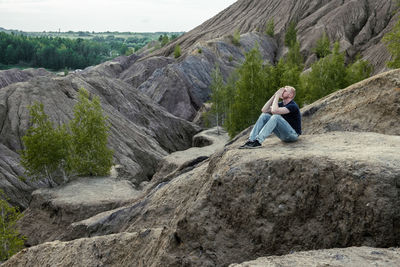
(289, 92)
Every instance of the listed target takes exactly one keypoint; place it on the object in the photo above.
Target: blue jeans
(267, 124)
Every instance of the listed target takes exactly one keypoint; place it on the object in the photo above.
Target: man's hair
(293, 90)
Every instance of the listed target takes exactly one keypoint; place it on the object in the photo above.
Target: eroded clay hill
(182, 85)
(327, 190)
(358, 25)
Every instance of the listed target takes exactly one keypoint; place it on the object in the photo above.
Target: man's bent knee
(267, 115)
(276, 117)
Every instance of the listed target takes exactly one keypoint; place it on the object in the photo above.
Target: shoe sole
(249, 147)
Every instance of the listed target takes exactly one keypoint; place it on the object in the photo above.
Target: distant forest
(70, 50)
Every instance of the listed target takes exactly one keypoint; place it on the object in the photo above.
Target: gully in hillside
(283, 119)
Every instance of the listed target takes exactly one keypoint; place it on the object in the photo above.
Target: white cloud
(101, 15)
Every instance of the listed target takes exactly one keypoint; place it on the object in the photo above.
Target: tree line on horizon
(60, 53)
(54, 53)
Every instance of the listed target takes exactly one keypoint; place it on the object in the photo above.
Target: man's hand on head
(280, 92)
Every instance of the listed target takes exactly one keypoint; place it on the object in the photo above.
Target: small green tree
(177, 51)
(392, 41)
(236, 37)
(358, 71)
(164, 40)
(291, 34)
(270, 28)
(322, 48)
(228, 100)
(326, 76)
(46, 148)
(89, 137)
(10, 240)
(294, 58)
(251, 92)
(217, 96)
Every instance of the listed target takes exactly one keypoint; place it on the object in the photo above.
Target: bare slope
(358, 25)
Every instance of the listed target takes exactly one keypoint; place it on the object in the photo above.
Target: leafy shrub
(89, 154)
(392, 41)
(164, 40)
(46, 147)
(322, 48)
(177, 51)
(291, 34)
(358, 71)
(11, 241)
(270, 28)
(236, 37)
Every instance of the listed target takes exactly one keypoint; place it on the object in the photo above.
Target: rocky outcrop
(335, 189)
(112, 68)
(138, 73)
(55, 213)
(17, 190)
(340, 257)
(97, 251)
(52, 210)
(372, 105)
(183, 87)
(205, 144)
(8, 77)
(141, 133)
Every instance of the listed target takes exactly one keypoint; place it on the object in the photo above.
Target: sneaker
(254, 144)
(246, 144)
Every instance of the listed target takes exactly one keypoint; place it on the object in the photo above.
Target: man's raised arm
(267, 107)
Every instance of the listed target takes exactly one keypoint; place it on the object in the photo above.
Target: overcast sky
(108, 15)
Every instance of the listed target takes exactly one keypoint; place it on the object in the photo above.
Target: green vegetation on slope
(10, 240)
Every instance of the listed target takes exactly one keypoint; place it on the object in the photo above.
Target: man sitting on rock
(283, 119)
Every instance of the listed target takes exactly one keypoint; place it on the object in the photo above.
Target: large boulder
(52, 210)
(11, 76)
(336, 189)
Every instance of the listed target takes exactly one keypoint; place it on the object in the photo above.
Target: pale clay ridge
(339, 257)
(240, 205)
